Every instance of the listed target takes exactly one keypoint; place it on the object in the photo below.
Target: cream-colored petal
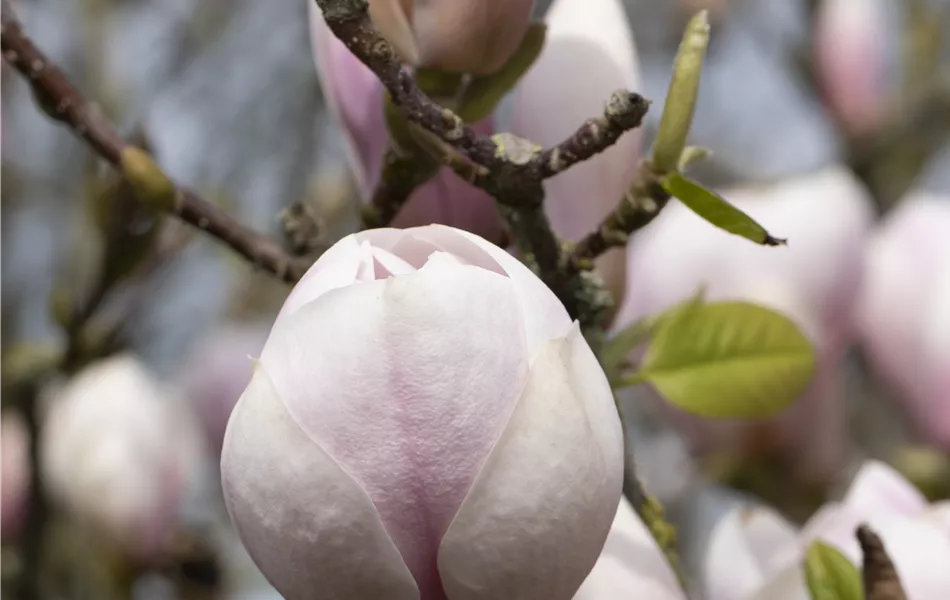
(787, 584)
(308, 525)
(538, 514)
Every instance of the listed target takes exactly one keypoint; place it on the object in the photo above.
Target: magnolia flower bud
(756, 554)
(631, 564)
(850, 60)
(354, 97)
(814, 281)
(424, 422)
(463, 36)
(589, 44)
(216, 373)
(118, 452)
(15, 471)
(904, 311)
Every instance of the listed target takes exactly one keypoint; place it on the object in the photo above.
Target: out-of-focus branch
(881, 581)
(65, 103)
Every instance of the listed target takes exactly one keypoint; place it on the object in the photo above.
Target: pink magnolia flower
(755, 553)
(424, 422)
(15, 471)
(631, 564)
(217, 372)
(590, 45)
(119, 452)
(904, 311)
(813, 280)
(354, 97)
(850, 61)
(467, 36)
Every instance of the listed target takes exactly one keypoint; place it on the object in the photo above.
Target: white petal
(630, 565)
(539, 511)
(921, 555)
(747, 547)
(407, 383)
(544, 315)
(787, 584)
(336, 268)
(879, 490)
(306, 523)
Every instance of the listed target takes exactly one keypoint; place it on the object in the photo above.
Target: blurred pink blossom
(904, 311)
(424, 422)
(850, 61)
(216, 373)
(15, 470)
(814, 280)
(119, 451)
(756, 553)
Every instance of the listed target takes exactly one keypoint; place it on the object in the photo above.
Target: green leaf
(716, 210)
(830, 575)
(728, 360)
(483, 93)
(617, 349)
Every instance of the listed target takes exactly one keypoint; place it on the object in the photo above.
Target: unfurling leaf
(482, 94)
(715, 209)
(618, 348)
(728, 360)
(692, 155)
(830, 575)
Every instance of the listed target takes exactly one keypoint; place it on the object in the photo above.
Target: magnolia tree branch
(515, 168)
(65, 103)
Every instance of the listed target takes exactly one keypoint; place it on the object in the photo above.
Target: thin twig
(881, 581)
(65, 103)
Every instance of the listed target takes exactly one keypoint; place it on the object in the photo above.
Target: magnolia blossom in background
(216, 373)
(589, 44)
(850, 61)
(15, 471)
(119, 452)
(461, 36)
(589, 53)
(631, 564)
(755, 553)
(814, 280)
(424, 422)
(904, 312)
(354, 97)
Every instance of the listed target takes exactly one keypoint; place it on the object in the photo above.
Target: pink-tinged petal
(448, 364)
(902, 314)
(787, 584)
(850, 59)
(354, 97)
(544, 316)
(552, 459)
(748, 546)
(15, 471)
(939, 513)
(326, 536)
(589, 44)
(337, 267)
(630, 565)
(879, 490)
(469, 36)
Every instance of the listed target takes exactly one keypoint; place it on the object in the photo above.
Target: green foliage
(728, 360)
(482, 94)
(830, 575)
(714, 208)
